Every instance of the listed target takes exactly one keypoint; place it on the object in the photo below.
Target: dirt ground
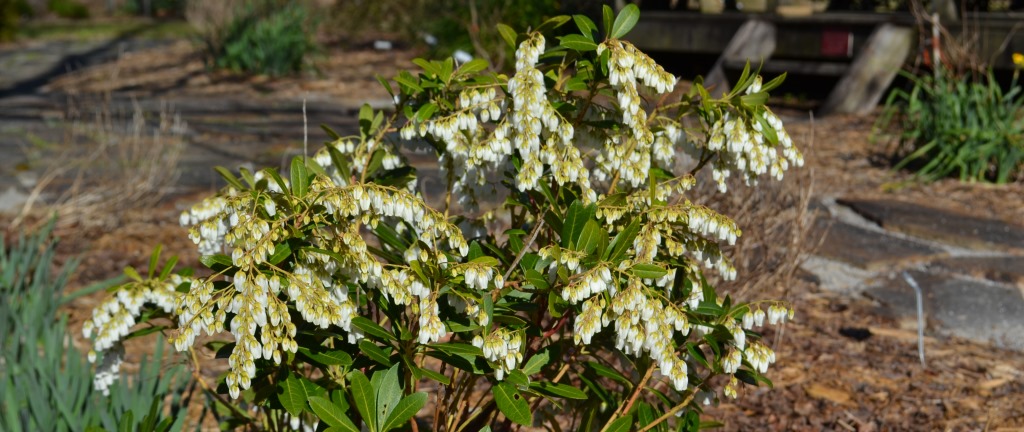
(871, 379)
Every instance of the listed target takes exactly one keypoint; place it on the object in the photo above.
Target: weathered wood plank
(864, 84)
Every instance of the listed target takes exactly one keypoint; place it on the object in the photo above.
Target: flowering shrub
(590, 311)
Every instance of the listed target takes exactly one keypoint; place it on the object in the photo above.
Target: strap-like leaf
(627, 18)
(331, 414)
(405, 409)
(512, 404)
(365, 398)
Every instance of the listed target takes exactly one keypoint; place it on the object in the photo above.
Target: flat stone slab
(940, 224)
(977, 310)
(1007, 269)
(865, 248)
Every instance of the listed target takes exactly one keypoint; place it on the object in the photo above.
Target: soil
(841, 365)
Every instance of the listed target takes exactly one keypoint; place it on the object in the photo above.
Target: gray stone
(977, 310)
(867, 249)
(940, 224)
(12, 200)
(1007, 269)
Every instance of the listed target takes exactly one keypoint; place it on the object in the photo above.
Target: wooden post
(874, 68)
(753, 42)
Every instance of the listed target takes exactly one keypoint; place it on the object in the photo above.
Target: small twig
(632, 399)
(529, 242)
(639, 388)
(920, 315)
(670, 413)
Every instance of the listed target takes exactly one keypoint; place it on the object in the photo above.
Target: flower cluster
(628, 157)
(318, 285)
(503, 350)
(743, 146)
(113, 319)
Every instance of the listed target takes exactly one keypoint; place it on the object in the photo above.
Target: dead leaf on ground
(820, 391)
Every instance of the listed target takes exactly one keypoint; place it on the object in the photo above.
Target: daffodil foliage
(562, 279)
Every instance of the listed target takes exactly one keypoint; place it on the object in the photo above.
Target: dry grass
(111, 162)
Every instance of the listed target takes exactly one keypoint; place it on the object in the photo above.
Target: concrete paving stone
(1007, 269)
(977, 310)
(940, 224)
(865, 248)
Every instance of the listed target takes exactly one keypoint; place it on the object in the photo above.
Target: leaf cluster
(970, 129)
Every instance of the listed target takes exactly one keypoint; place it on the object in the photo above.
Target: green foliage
(965, 128)
(267, 38)
(46, 383)
(344, 291)
(71, 9)
(10, 17)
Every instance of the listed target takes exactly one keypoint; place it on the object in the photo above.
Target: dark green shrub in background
(967, 128)
(10, 15)
(45, 383)
(470, 26)
(268, 38)
(70, 9)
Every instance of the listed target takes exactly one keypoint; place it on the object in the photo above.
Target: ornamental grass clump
(344, 292)
(969, 129)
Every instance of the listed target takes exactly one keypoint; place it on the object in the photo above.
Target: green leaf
(330, 132)
(293, 393)
(586, 26)
(331, 414)
(627, 18)
(622, 424)
(432, 374)
(473, 66)
(143, 332)
(553, 23)
(300, 177)
(327, 356)
(486, 261)
(512, 404)
(388, 394)
(281, 252)
(754, 99)
(371, 328)
(648, 271)
(608, 15)
(374, 352)
(458, 349)
(127, 421)
(277, 179)
(366, 117)
(407, 80)
(153, 259)
(364, 397)
(536, 362)
(537, 279)
(578, 43)
(132, 274)
(558, 390)
(623, 241)
(591, 237)
(518, 378)
(508, 34)
(405, 410)
(774, 83)
(168, 267)
(575, 219)
(230, 178)
(608, 372)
